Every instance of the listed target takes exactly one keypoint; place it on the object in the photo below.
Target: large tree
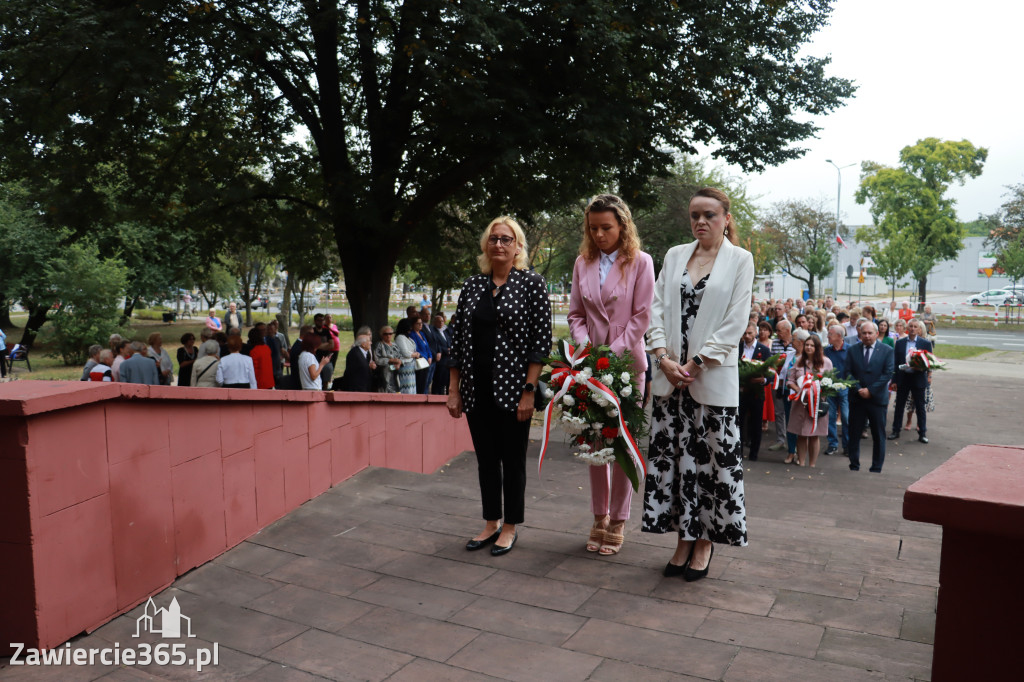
(414, 104)
(911, 200)
(802, 233)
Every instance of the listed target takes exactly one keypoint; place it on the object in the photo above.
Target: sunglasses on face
(505, 240)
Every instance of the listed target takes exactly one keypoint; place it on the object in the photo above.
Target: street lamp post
(839, 194)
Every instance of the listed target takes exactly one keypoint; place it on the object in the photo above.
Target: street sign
(989, 271)
(769, 287)
(849, 271)
(860, 280)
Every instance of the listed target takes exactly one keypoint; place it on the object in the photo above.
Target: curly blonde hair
(629, 239)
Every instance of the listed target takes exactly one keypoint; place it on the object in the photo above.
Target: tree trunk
(368, 280)
(129, 308)
(36, 320)
(5, 313)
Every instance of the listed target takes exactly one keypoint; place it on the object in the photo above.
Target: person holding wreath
(694, 483)
(811, 360)
(501, 334)
(610, 304)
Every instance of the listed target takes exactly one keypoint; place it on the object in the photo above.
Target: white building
(962, 274)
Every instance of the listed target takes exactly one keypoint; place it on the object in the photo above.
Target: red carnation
(581, 391)
(603, 363)
(580, 440)
(610, 431)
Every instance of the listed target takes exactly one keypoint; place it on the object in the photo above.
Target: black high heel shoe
(671, 570)
(691, 574)
(473, 545)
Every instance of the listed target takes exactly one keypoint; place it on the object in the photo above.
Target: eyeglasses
(505, 240)
(386, 333)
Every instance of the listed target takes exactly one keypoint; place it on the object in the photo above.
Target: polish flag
(839, 240)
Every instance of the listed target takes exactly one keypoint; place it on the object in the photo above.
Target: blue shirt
(838, 358)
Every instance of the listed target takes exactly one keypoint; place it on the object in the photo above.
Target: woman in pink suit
(612, 289)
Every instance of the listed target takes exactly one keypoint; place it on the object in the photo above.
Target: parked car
(993, 297)
(310, 301)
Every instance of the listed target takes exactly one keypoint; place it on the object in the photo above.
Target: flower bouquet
(595, 399)
(814, 390)
(752, 370)
(922, 361)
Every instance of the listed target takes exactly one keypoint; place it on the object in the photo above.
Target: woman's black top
(514, 328)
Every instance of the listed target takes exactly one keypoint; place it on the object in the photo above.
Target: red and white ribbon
(925, 357)
(565, 376)
(808, 391)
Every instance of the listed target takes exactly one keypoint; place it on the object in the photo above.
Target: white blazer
(717, 329)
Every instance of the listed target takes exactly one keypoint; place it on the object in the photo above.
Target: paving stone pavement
(370, 581)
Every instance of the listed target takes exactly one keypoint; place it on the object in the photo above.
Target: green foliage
(90, 288)
(893, 258)
(911, 199)
(1011, 258)
(665, 221)
(803, 234)
(409, 106)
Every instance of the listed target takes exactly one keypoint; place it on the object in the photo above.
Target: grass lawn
(949, 351)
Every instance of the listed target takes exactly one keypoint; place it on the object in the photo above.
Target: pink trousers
(610, 491)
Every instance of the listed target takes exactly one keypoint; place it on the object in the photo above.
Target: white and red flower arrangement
(922, 361)
(813, 389)
(595, 399)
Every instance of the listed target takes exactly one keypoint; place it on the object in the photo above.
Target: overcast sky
(933, 68)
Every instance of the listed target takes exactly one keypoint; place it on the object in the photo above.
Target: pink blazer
(618, 313)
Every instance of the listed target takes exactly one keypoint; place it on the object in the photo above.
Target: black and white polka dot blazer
(523, 329)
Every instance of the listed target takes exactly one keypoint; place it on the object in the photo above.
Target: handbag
(421, 363)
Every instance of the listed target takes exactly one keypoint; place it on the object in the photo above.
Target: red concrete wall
(108, 492)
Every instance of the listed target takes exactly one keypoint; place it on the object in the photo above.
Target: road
(996, 340)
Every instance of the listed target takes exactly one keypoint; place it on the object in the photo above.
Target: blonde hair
(629, 238)
(521, 260)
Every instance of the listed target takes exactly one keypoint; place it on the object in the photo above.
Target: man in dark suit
(752, 395)
(870, 364)
(443, 340)
(359, 366)
(910, 382)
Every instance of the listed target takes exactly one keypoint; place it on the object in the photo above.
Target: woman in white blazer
(694, 483)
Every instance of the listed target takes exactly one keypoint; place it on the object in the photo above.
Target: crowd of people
(687, 330)
(820, 336)
(406, 363)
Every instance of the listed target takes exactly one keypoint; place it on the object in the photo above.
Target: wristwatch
(699, 361)
(529, 388)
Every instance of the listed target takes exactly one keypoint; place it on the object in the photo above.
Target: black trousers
(866, 412)
(500, 442)
(902, 392)
(751, 411)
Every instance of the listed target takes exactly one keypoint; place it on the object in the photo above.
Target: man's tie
(867, 355)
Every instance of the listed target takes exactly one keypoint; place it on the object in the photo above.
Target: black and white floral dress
(694, 480)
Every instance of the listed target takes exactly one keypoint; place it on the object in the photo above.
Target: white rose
(613, 411)
(587, 373)
(548, 393)
(567, 400)
(624, 377)
(626, 391)
(826, 382)
(607, 379)
(584, 447)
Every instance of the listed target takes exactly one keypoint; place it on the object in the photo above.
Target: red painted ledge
(980, 487)
(108, 492)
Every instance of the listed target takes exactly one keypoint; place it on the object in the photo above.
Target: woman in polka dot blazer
(501, 334)
(612, 289)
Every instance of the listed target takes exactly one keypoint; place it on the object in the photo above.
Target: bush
(90, 291)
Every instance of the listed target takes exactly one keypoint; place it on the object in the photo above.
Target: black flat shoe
(473, 545)
(498, 550)
(922, 439)
(894, 436)
(693, 575)
(671, 570)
